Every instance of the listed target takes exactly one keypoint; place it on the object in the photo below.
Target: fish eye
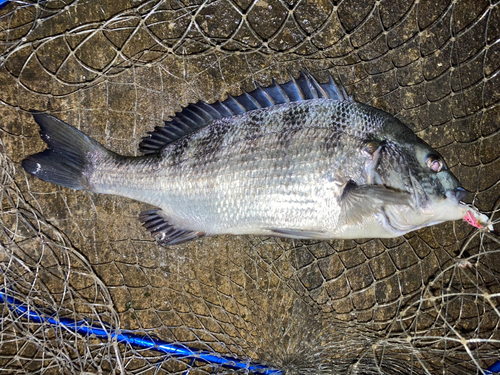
(434, 163)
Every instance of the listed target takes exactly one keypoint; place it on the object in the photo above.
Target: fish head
(433, 185)
(409, 164)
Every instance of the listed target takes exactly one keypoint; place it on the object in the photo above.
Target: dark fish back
(198, 115)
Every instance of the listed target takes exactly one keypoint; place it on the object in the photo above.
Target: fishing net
(424, 303)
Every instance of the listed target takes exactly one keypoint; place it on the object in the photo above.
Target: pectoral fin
(359, 201)
(372, 152)
(167, 234)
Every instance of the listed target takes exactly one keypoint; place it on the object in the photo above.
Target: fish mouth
(401, 221)
(458, 194)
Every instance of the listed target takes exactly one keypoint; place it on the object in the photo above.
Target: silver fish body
(315, 168)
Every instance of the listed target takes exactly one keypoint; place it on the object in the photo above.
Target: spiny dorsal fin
(200, 114)
(166, 233)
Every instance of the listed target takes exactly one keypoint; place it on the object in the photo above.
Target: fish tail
(70, 157)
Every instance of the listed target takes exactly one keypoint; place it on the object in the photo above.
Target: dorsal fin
(200, 114)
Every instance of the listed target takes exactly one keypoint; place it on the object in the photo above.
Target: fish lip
(458, 194)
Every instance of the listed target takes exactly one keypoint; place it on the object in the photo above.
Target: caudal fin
(70, 155)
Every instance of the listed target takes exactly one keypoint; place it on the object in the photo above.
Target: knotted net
(425, 303)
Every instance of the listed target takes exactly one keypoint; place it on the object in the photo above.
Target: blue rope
(143, 342)
(493, 369)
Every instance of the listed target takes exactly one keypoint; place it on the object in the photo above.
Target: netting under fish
(86, 289)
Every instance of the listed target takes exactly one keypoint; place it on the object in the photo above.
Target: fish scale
(298, 160)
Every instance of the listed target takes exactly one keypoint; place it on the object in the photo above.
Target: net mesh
(425, 303)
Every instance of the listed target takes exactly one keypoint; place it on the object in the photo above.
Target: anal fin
(166, 233)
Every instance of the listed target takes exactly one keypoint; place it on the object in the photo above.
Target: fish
(299, 160)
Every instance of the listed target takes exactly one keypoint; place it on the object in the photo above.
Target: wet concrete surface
(117, 69)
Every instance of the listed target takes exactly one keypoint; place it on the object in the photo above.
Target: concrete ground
(427, 301)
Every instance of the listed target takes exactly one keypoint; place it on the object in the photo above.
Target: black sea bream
(297, 160)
